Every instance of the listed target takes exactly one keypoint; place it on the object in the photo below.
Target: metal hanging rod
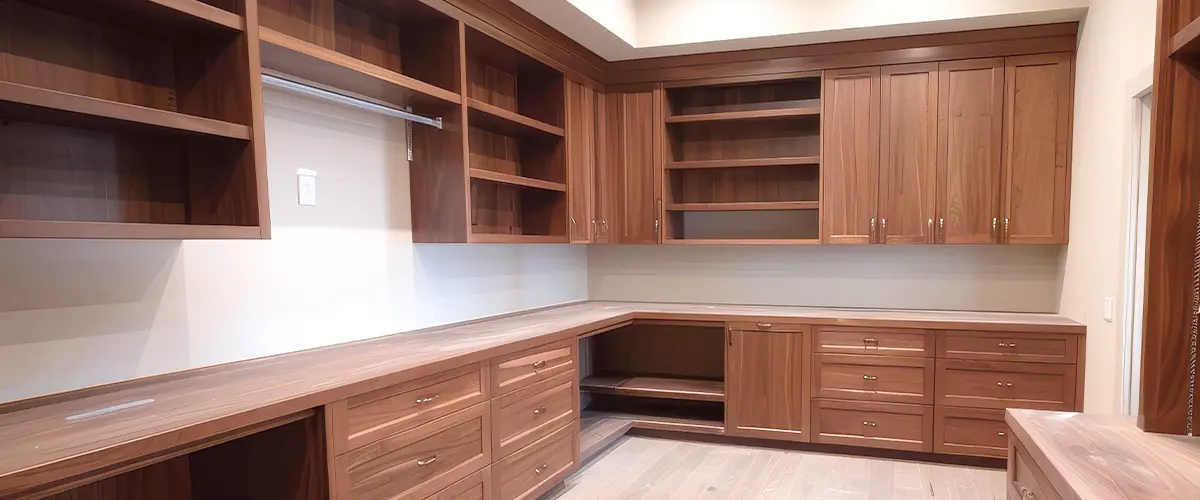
(320, 93)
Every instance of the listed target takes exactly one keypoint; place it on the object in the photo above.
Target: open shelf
(504, 213)
(697, 241)
(516, 238)
(755, 114)
(744, 163)
(597, 431)
(781, 96)
(1185, 45)
(505, 78)
(517, 180)
(664, 422)
(743, 206)
(172, 18)
(656, 387)
(506, 122)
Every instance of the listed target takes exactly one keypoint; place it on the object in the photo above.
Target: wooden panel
(768, 385)
(873, 378)
(608, 196)
(849, 155)
(525, 368)
(875, 341)
(285, 463)
(530, 472)
(970, 431)
(477, 486)
(698, 352)
(1025, 479)
(907, 153)
(790, 183)
(745, 140)
(632, 127)
(997, 384)
(877, 425)
(419, 462)
(790, 95)
(529, 414)
(765, 326)
(169, 479)
(308, 20)
(380, 413)
(1002, 346)
(597, 431)
(970, 107)
(581, 161)
(1037, 148)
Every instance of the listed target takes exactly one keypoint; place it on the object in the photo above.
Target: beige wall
(1115, 52)
(78, 313)
(983, 278)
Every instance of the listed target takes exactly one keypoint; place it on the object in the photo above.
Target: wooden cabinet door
(907, 153)
(581, 158)
(633, 132)
(607, 198)
(766, 385)
(849, 155)
(970, 102)
(1037, 148)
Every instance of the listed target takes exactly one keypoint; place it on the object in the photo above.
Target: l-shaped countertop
(56, 437)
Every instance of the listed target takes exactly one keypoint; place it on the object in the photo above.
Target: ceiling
(635, 29)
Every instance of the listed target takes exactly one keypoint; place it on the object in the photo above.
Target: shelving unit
(656, 387)
(137, 122)
(743, 163)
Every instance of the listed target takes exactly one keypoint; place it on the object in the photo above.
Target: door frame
(1135, 211)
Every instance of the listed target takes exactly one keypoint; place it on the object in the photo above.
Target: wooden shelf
(342, 73)
(597, 430)
(517, 180)
(123, 230)
(516, 238)
(656, 387)
(506, 122)
(665, 423)
(748, 162)
(170, 17)
(1185, 45)
(742, 206)
(678, 241)
(758, 114)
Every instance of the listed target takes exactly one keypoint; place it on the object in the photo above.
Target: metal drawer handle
(1003, 345)
(764, 325)
(1012, 344)
(540, 470)
(1008, 384)
(1001, 434)
(538, 365)
(999, 384)
(427, 399)
(539, 410)
(869, 377)
(426, 461)
(870, 341)
(868, 424)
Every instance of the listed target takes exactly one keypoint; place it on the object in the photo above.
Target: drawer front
(530, 472)
(477, 486)
(986, 384)
(372, 416)
(417, 463)
(878, 425)
(875, 341)
(768, 326)
(873, 378)
(527, 415)
(528, 367)
(1000, 346)
(970, 431)
(1025, 480)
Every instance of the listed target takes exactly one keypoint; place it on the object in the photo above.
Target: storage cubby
(504, 213)
(122, 119)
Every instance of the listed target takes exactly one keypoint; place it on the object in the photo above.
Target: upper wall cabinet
(907, 153)
(634, 159)
(581, 130)
(970, 184)
(850, 156)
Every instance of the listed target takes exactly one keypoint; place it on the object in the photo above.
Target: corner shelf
(744, 162)
(757, 114)
(656, 387)
(506, 122)
(743, 206)
(517, 180)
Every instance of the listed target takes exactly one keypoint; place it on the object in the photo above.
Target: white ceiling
(635, 29)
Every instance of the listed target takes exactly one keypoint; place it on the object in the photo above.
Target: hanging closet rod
(320, 93)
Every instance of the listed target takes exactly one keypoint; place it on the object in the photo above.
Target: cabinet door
(970, 103)
(607, 198)
(849, 155)
(907, 150)
(632, 137)
(766, 384)
(581, 157)
(1037, 139)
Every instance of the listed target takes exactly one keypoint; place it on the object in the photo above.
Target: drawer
(878, 425)
(768, 326)
(873, 378)
(1025, 480)
(995, 384)
(1001, 346)
(875, 341)
(970, 431)
(528, 473)
(419, 462)
(522, 369)
(377, 414)
(527, 415)
(477, 486)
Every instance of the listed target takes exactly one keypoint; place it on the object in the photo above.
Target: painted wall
(1116, 46)
(985, 278)
(79, 313)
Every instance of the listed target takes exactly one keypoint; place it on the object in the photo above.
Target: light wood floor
(656, 469)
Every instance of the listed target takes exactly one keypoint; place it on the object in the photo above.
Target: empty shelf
(506, 122)
(740, 206)
(665, 423)
(517, 180)
(597, 430)
(757, 114)
(744, 162)
(655, 387)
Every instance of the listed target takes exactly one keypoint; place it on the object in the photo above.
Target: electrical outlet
(306, 187)
(1108, 309)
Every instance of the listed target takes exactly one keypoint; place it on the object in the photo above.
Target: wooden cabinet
(526, 415)
(1037, 148)
(849, 155)
(581, 162)
(904, 342)
(907, 153)
(768, 384)
(525, 368)
(873, 378)
(633, 128)
(877, 425)
(971, 95)
(1009, 346)
(607, 197)
(970, 431)
(997, 384)
(528, 473)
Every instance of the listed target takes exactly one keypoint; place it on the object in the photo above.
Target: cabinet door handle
(883, 230)
(1012, 345)
(426, 461)
(942, 229)
(763, 325)
(994, 236)
(539, 410)
(538, 365)
(871, 237)
(540, 469)
(999, 384)
(603, 226)
(657, 214)
(427, 399)
(929, 237)
(1006, 232)
(869, 377)
(870, 340)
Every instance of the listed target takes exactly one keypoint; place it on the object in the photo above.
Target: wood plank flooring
(656, 469)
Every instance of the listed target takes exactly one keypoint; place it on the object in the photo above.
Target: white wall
(986, 278)
(1116, 48)
(78, 313)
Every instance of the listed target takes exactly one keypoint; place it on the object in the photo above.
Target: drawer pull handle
(539, 410)
(1008, 384)
(764, 325)
(1003, 345)
(869, 377)
(538, 365)
(1001, 434)
(426, 461)
(870, 341)
(540, 470)
(427, 399)
(868, 424)
(999, 384)
(1012, 345)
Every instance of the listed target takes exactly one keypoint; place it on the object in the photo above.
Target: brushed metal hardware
(883, 229)
(868, 424)
(764, 325)
(1001, 434)
(870, 340)
(869, 377)
(539, 410)
(572, 219)
(603, 226)
(942, 228)
(999, 384)
(871, 237)
(657, 214)
(1009, 384)
(929, 238)
(1002, 344)
(1007, 234)
(1013, 345)
(427, 399)
(541, 469)
(994, 221)
(538, 365)
(426, 461)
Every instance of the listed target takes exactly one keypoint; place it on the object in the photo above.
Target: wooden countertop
(60, 436)
(1101, 457)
